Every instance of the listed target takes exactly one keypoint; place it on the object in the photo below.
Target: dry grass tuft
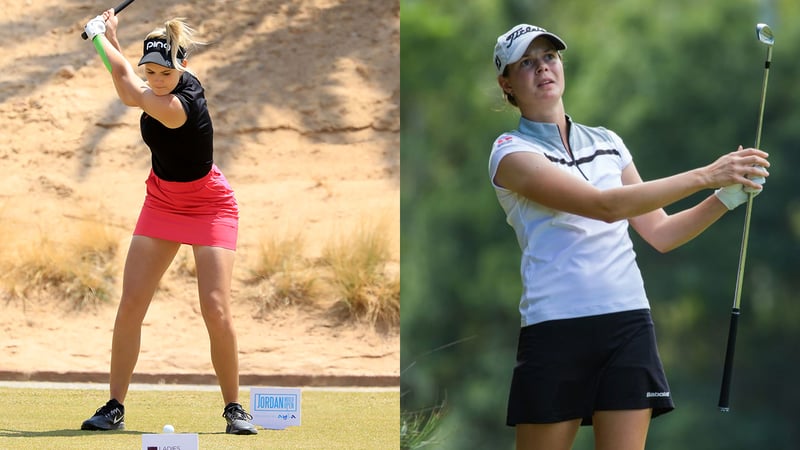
(279, 253)
(283, 267)
(365, 289)
(81, 268)
(353, 271)
(293, 287)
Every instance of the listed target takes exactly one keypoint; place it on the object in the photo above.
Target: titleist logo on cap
(519, 32)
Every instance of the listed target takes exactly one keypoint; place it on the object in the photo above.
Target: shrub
(364, 288)
(82, 268)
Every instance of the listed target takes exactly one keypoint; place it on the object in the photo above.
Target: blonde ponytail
(180, 38)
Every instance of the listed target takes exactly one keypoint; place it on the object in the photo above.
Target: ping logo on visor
(157, 51)
(155, 45)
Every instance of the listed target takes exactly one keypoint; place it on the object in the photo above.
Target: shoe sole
(92, 427)
(242, 432)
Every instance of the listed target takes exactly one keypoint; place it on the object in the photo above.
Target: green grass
(51, 418)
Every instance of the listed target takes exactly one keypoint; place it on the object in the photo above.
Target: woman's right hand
(745, 166)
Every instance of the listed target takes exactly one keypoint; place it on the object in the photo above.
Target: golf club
(117, 10)
(764, 34)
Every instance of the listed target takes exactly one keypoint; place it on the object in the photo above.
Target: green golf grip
(98, 45)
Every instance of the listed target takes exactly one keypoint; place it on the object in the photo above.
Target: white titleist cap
(512, 45)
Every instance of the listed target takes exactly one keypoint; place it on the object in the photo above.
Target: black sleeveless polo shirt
(185, 153)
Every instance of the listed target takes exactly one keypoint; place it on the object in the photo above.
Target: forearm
(637, 198)
(112, 39)
(668, 232)
(126, 82)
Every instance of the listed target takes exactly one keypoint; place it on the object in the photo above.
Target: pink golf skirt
(199, 212)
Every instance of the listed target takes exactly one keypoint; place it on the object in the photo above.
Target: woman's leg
(621, 430)
(214, 273)
(547, 436)
(147, 260)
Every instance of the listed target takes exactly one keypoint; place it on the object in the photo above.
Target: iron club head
(764, 33)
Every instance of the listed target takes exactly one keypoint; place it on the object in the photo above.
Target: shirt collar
(545, 131)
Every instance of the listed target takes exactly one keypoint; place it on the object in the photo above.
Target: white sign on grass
(170, 441)
(275, 408)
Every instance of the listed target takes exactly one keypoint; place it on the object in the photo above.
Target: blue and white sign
(275, 408)
(170, 441)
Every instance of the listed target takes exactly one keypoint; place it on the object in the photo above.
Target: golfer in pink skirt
(188, 201)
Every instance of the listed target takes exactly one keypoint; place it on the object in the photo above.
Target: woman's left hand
(111, 22)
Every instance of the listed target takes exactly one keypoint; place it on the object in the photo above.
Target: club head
(764, 33)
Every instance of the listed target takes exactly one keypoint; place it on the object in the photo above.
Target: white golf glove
(759, 179)
(94, 27)
(734, 195)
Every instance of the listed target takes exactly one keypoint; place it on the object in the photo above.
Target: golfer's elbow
(614, 205)
(609, 210)
(128, 101)
(610, 217)
(127, 91)
(662, 244)
(663, 248)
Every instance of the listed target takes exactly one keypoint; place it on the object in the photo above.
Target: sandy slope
(305, 101)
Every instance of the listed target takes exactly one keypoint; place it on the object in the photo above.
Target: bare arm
(534, 177)
(667, 232)
(167, 109)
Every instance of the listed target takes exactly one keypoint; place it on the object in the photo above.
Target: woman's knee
(215, 308)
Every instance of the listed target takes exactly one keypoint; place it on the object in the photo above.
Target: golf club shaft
(117, 10)
(767, 63)
(727, 374)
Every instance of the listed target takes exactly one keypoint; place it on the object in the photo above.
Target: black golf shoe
(110, 416)
(238, 420)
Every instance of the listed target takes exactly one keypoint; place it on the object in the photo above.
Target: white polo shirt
(572, 266)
